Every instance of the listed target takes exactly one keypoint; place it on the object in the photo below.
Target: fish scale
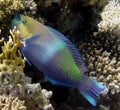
(56, 56)
(71, 67)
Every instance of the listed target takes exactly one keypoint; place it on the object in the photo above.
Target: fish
(56, 56)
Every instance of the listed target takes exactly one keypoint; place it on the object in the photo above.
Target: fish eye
(24, 21)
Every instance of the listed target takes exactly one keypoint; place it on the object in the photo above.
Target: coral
(46, 3)
(102, 55)
(111, 17)
(99, 3)
(14, 83)
(11, 58)
(90, 2)
(30, 6)
(11, 103)
(8, 7)
(102, 51)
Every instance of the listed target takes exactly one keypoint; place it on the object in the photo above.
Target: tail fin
(90, 89)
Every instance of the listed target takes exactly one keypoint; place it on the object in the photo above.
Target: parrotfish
(56, 56)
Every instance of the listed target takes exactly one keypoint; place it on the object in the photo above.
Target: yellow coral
(7, 7)
(14, 85)
(11, 58)
(11, 103)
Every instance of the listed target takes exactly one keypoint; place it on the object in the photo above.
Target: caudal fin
(91, 89)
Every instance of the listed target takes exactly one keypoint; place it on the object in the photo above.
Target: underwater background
(92, 25)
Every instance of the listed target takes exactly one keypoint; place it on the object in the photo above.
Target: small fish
(56, 56)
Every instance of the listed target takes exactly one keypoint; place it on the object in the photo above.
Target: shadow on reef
(75, 21)
(60, 93)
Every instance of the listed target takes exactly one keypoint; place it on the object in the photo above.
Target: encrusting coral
(16, 89)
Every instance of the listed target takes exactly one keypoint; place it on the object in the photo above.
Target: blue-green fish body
(56, 56)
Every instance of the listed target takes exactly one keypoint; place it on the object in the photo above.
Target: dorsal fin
(75, 52)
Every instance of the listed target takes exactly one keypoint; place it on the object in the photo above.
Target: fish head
(27, 26)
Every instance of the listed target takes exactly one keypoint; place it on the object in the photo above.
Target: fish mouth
(15, 20)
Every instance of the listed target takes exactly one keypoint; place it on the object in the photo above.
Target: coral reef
(9, 7)
(101, 64)
(11, 103)
(11, 58)
(87, 2)
(30, 7)
(15, 87)
(111, 17)
(102, 52)
(100, 48)
(46, 3)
